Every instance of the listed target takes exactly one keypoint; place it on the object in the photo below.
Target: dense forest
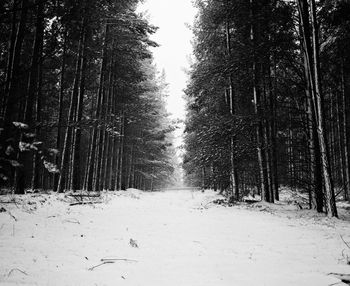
(268, 99)
(82, 105)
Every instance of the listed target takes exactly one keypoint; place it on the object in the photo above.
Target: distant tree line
(82, 106)
(268, 99)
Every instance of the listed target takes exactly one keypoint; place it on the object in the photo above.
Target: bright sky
(174, 38)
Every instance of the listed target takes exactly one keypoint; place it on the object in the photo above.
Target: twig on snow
(13, 269)
(109, 261)
(118, 259)
(11, 215)
(84, 203)
(98, 265)
(347, 244)
(73, 220)
(85, 195)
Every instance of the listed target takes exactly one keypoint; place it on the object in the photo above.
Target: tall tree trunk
(12, 96)
(9, 59)
(128, 177)
(25, 157)
(38, 107)
(100, 146)
(60, 105)
(106, 134)
(121, 151)
(36, 56)
(340, 144)
(273, 130)
(316, 194)
(318, 98)
(76, 164)
(345, 129)
(233, 171)
(257, 110)
(92, 154)
(35, 183)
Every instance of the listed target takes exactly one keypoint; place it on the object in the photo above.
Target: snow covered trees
(79, 75)
(262, 86)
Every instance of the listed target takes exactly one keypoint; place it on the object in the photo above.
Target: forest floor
(173, 238)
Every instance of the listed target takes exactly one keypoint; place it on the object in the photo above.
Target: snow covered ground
(169, 238)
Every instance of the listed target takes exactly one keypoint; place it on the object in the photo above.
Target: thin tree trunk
(106, 136)
(92, 154)
(100, 146)
(327, 173)
(128, 177)
(76, 164)
(345, 135)
(273, 130)
(64, 176)
(36, 56)
(257, 110)
(121, 151)
(9, 59)
(36, 160)
(25, 157)
(12, 97)
(316, 196)
(233, 171)
(60, 106)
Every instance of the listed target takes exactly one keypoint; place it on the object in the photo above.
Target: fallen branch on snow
(110, 261)
(73, 220)
(11, 215)
(118, 259)
(98, 265)
(84, 203)
(85, 195)
(13, 269)
(347, 244)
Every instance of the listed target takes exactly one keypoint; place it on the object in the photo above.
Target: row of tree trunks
(312, 69)
(75, 183)
(93, 153)
(264, 108)
(54, 49)
(32, 99)
(12, 93)
(345, 130)
(64, 178)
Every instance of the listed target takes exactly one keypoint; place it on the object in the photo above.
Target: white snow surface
(168, 238)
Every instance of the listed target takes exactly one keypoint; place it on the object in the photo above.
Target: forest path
(167, 238)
